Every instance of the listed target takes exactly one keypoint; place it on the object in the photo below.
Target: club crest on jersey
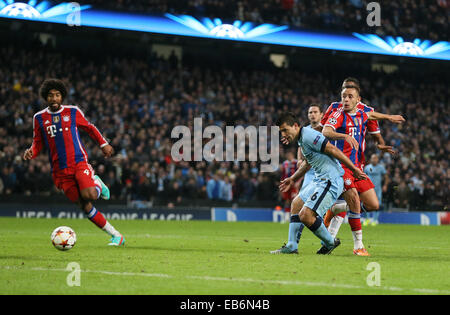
(316, 140)
(348, 181)
(56, 119)
(66, 118)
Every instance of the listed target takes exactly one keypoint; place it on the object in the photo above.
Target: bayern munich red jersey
(59, 133)
(372, 125)
(288, 168)
(354, 125)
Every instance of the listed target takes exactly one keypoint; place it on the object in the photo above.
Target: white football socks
(339, 207)
(357, 239)
(335, 225)
(108, 228)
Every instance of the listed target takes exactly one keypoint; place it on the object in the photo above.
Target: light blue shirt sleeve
(314, 139)
(313, 144)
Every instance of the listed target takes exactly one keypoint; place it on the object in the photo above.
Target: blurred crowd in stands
(427, 19)
(136, 103)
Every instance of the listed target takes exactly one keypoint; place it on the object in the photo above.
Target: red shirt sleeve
(37, 145)
(335, 120)
(326, 115)
(93, 132)
(373, 127)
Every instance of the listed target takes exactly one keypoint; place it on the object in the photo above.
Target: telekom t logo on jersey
(352, 132)
(51, 130)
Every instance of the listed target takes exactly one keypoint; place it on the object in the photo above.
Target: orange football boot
(361, 252)
(327, 218)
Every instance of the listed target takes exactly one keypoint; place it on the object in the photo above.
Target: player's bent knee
(307, 216)
(352, 199)
(370, 200)
(302, 215)
(296, 205)
(373, 206)
(89, 194)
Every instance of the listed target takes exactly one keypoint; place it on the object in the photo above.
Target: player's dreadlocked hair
(289, 118)
(52, 84)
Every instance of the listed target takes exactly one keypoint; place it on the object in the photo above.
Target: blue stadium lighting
(62, 9)
(43, 6)
(217, 28)
(402, 47)
(34, 10)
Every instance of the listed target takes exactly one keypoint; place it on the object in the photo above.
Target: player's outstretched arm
(286, 184)
(396, 119)
(107, 150)
(37, 144)
(94, 133)
(336, 153)
(28, 154)
(381, 145)
(300, 158)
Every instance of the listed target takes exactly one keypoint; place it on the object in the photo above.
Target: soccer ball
(63, 238)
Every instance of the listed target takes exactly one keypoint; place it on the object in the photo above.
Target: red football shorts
(74, 180)
(290, 194)
(360, 185)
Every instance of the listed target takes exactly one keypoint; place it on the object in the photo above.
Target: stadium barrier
(270, 215)
(111, 213)
(248, 215)
(421, 218)
(120, 212)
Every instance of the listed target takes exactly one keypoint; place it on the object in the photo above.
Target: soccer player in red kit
(347, 125)
(336, 215)
(373, 127)
(57, 129)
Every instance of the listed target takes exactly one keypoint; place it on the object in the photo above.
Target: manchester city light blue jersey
(312, 144)
(375, 174)
(310, 175)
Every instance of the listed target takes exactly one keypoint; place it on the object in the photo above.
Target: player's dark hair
(289, 118)
(351, 86)
(52, 84)
(351, 81)
(318, 106)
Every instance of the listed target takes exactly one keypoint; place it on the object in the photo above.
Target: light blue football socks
(319, 230)
(295, 232)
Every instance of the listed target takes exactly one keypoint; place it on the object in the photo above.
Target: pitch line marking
(208, 278)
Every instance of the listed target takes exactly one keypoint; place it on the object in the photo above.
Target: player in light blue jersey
(315, 115)
(310, 205)
(376, 173)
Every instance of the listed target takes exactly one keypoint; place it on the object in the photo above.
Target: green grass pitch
(204, 258)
